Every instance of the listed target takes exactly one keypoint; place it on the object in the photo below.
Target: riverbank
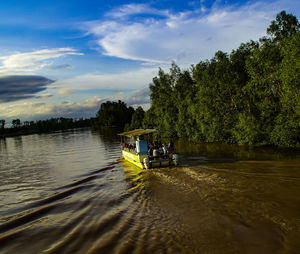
(44, 126)
(17, 133)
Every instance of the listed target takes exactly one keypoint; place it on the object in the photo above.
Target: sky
(64, 58)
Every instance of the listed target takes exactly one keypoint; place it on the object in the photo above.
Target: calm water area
(69, 192)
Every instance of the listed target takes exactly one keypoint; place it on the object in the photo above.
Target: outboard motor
(175, 159)
(146, 163)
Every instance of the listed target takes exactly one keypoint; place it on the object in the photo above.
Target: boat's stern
(136, 159)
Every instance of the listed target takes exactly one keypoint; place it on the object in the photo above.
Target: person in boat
(150, 149)
(171, 147)
(122, 144)
(165, 150)
(155, 152)
(130, 147)
(160, 150)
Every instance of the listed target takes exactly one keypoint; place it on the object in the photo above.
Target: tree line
(250, 96)
(117, 114)
(41, 126)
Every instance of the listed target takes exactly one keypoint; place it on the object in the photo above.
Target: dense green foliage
(41, 126)
(113, 114)
(136, 120)
(251, 96)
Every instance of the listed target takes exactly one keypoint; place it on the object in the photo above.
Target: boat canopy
(137, 132)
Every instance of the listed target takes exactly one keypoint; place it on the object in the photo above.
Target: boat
(143, 154)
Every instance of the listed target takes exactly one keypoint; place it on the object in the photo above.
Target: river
(69, 192)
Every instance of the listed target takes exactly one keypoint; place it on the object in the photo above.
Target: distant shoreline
(43, 126)
(30, 132)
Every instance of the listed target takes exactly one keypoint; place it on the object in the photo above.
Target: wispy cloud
(41, 110)
(13, 88)
(44, 96)
(125, 80)
(135, 98)
(132, 9)
(35, 60)
(185, 37)
(65, 91)
(59, 67)
(30, 110)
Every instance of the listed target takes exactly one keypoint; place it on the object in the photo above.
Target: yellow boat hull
(134, 158)
(138, 160)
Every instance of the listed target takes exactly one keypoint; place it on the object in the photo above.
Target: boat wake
(121, 208)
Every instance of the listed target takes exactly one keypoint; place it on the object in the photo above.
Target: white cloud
(120, 81)
(185, 37)
(65, 91)
(131, 9)
(139, 97)
(45, 96)
(33, 61)
(34, 111)
(87, 108)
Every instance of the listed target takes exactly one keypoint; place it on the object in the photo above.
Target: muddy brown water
(68, 192)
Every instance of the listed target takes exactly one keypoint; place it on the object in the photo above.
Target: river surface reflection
(68, 192)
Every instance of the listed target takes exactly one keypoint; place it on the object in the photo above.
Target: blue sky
(64, 58)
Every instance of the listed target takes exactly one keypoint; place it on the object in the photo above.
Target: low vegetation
(41, 126)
